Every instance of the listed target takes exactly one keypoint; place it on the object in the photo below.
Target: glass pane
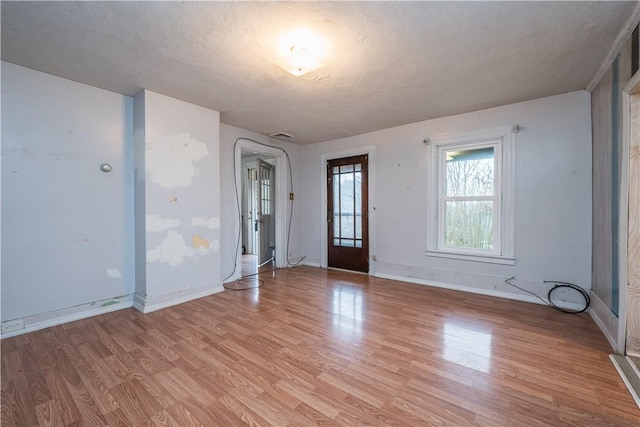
(470, 172)
(469, 224)
(336, 205)
(346, 168)
(347, 242)
(346, 193)
(358, 243)
(358, 192)
(347, 226)
(336, 242)
(358, 203)
(347, 205)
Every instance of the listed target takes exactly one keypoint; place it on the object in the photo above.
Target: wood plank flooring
(319, 347)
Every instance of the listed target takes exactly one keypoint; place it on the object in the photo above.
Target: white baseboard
(606, 321)
(311, 263)
(480, 291)
(149, 304)
(65, 315)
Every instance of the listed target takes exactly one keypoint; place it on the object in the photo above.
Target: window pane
(347, 229)
(347, 242)
(358, 203)
(358, 192)
(346, 193)
(470, 172)
(358, 243)
(469, 224)
(336, 206)
(346, 168)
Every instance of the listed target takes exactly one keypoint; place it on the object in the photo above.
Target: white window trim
(504, 140)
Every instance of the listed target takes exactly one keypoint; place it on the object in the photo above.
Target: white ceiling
(389, 63)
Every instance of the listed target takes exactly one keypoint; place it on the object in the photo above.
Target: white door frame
(370, 151)
(280, 205)
(632, 88)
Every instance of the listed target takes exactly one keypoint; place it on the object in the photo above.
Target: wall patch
(173, 250)
(114, 273)
(201, 221)
(155, 223)
(170, 159)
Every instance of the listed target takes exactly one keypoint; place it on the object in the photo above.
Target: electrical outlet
(12, 325)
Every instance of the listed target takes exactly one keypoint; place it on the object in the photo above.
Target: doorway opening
(260, 188)
(258, 212)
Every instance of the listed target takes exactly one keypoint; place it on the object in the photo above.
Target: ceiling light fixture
(300, 52)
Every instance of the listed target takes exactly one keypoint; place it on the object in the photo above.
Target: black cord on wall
(239, 209)
(559, 285)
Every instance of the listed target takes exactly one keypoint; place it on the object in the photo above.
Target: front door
(347, 216)
(265, 217)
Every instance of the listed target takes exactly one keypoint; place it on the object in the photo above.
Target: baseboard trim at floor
(629, 374)
(606, 321)
(311, 263)
(149, 304)
(66, 315)
(470, 289)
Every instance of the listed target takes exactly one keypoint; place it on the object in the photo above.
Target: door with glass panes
(347, 216)
(265, 220)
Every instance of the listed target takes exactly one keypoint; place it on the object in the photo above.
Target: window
(347, 205)
(471, 197)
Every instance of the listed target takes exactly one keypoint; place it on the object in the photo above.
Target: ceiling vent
(280, 135)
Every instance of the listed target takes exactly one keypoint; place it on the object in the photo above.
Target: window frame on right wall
(502, 200)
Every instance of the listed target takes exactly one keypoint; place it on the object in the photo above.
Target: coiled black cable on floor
(549, 301)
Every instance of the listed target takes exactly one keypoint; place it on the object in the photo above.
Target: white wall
(229, 216)
(552, 206)
(67, 229)
(177, 167)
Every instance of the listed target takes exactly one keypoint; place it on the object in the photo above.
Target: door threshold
(348, 271)
(266, 262)
(629, 373)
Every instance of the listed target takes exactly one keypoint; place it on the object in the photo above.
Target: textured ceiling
(388, 63)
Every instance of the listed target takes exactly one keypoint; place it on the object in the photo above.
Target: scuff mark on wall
(114, 273)
(173, 250)
(173, 199)
(155, 223)
(170, 159)
(201, 221)
(198, 241)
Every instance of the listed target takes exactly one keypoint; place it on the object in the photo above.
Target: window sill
(490, 259)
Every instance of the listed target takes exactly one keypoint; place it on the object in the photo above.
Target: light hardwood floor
(313, 346)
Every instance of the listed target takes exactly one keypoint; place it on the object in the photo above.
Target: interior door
(265, 218)
(347, 216)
